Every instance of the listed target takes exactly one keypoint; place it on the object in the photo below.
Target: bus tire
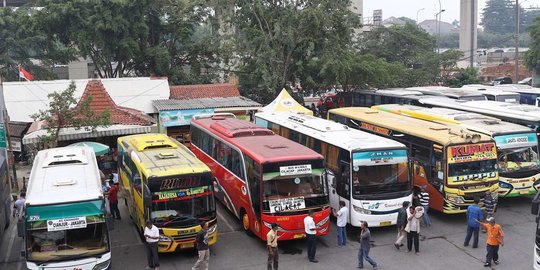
(244, 218)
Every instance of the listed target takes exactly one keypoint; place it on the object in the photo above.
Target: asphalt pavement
(442, 248)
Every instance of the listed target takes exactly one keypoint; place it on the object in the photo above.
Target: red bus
(262, 177)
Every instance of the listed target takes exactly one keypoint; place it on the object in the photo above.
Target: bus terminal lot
(442, 249)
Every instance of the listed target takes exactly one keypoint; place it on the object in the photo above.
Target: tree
(466, 76)
(499, 17)
(64, 111)
(277, 40)
(532, 57)
(448, 63)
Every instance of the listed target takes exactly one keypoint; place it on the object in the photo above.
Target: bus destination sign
(472, 152)
(178, 183)
(66, 224)
(295, 170)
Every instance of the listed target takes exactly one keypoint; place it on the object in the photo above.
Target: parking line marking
(11, 240)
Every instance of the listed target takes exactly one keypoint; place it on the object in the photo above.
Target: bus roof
(498, 109)
(62, 175)
(159, 155)
(440, 133)
(455, 93)
(330, 132)
(519, 88)
(260, 143)
(399, 92)
(472, 121)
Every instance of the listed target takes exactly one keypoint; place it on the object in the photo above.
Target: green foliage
(466, 76)
(532, 57)
(64, 111)
(499, 17)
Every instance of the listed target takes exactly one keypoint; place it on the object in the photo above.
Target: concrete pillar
(468, 29)
(78, 69)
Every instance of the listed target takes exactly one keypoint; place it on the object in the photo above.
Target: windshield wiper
(179, 218)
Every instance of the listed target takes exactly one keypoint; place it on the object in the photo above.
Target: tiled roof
(101, 100)
(205, 103)
(204, 91)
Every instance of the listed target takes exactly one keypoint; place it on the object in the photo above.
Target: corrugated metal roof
(204, 103)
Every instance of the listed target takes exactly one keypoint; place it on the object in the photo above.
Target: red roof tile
(204, 91)
(119, 115)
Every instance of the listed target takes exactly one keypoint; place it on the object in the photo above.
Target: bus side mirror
(535, 204)
(147, 197)
(20, 227)
(110, 222)
(417, 169)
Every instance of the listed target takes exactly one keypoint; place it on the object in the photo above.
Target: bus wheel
(245, 223)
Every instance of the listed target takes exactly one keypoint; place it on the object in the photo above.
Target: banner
(66, 224)
(471, 152)
(381, 157)
(295, 170)
(180, 117)
(286, 204)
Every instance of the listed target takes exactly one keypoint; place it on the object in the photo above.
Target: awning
(70, 134)
(285, 103)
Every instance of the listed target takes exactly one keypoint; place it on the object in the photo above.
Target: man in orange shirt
(495, 237)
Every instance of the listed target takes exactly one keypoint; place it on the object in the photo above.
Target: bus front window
(378, 179)
(288, 193)
(182, 207)
(44, 245)
(518, 159)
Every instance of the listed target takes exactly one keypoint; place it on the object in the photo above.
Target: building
(175, 114)
(431, 26)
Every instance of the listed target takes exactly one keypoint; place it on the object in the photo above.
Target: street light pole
(516, 68)
(417, 15)
(438, 20)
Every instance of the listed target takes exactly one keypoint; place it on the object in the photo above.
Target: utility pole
(516, 70)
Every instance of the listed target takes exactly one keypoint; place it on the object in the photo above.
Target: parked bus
(529, 95)
(261, 177)
(65, 225)
(453, 93)
(522, 114)
(164, 182)
(5, 195)
(517, 146)
(456, 165)
(368, 172)
(494, 93)
(535, 211)
(368, 98)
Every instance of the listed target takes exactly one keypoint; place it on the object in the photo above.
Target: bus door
(340, 186)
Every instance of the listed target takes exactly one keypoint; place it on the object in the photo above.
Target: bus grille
(184, 237)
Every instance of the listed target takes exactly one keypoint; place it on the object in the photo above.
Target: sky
(409, 8)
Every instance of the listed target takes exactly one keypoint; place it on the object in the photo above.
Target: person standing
(311, 235)
(490, 205)
(413, 229)
(495, 237)
(474, 213)
(113, 201)
(424, 202)
(341, 223)
(151, 233)
(19, 205)
(365, 245)
(401, 223)
(271, 243)
(202, 247)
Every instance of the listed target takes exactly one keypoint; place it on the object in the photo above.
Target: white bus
(368, 172)
(66, 225)
(494, 93)
(454, 93)
(522, 114)
(529, 95)
(517, 146)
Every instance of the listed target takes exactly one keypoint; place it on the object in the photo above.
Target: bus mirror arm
(20, 227)
(147, 197)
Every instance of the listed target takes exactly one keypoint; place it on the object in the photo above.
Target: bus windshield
(44, 245)
(292, 188)
(182, 206)
(470, 163)
(519, 159)
(377, 172)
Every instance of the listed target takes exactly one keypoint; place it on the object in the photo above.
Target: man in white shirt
(151, 233)
(311, 235)
(341, 223)
(19, 206)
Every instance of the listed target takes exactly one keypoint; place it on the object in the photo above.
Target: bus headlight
(102, 266)
(455, 198)
(163, 238)
(323, 221)
(212, 229)
(361, 210)
(505, 185)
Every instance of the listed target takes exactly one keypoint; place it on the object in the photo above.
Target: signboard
(3, 143)
(181, 182)
(16, 144)
(180, 117)
(66, 224)
(374, 128)
(516, 140)
(286, 204)
(178, 194)
(382, 157)
(471, 152)
(295, 170)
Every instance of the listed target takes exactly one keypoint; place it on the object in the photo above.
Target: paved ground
(442, 249)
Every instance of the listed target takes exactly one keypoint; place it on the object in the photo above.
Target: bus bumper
(177, 242)
(103, 263)
(518, 187)
(458, 203)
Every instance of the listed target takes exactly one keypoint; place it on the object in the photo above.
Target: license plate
(385, 223)
(523, 192)
(188, 245)
(299, 235)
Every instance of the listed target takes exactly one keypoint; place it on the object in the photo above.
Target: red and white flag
(25, 74)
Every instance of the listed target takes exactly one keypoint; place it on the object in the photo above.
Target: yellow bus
(162, 180)
(454, 164)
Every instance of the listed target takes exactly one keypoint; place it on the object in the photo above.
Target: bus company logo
(287, 103)
(381, 154)
(374, 206)
(472, 150)
(476, 176)
(176, 183)
(374, 128)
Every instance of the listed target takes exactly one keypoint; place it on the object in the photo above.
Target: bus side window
(490, 97)
(254, 180)
(344, 187)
